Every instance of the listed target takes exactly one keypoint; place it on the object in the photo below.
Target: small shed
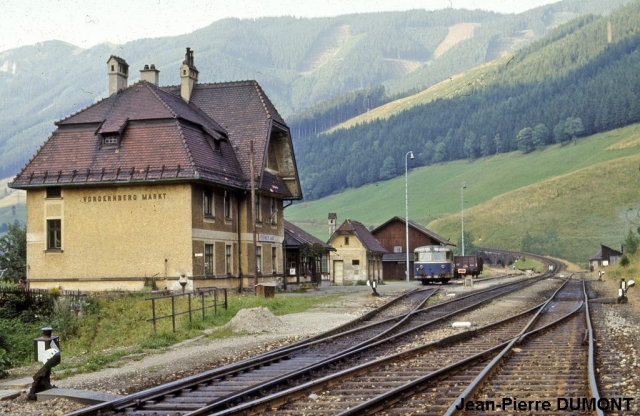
(358, 255)
(307, 257)
(605, 256)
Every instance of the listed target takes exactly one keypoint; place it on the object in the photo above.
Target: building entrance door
(337, 272)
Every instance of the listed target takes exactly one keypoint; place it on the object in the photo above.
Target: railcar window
(433, 257)
(424, 257)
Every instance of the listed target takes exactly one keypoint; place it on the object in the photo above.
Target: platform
(9, 394)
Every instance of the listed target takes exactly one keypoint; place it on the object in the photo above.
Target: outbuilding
(307, 257)
(358, 255)
(605, 256)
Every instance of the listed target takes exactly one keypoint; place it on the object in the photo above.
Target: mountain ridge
(50, 80)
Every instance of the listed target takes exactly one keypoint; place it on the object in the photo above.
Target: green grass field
(583, 190)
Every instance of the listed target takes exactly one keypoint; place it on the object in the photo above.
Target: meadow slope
(584, 190)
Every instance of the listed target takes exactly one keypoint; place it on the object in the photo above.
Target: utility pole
(253, 219)
(464, 185)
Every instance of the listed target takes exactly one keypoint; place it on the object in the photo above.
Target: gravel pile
(255, 321)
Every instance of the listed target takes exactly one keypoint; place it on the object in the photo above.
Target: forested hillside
(580, 80)
(562, 201)
(490, 40)
(299, 63)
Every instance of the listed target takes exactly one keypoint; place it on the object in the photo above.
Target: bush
(5, 363)
(624, 261)
(64, 319)
(17, 339)
(18, 305)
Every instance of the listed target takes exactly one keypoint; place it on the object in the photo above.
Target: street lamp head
(411, 155)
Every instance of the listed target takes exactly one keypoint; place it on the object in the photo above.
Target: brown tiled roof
(162, 138)
(244, 111)
(296, 236)
(417, 227)
(358, 229)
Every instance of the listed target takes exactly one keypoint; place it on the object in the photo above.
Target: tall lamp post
(408, 156)
(464, 185)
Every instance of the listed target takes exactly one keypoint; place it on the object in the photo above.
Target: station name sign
(123, 197)
(268, 238)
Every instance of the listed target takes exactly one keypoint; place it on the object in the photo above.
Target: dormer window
(111, 132)
(111, 140)
(213, 142)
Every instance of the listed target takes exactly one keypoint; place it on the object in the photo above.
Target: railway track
(372, 385)
(544, 366)
(299, 363)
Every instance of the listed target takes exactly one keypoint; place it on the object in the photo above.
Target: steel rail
(484, 374)
(382, 401)
(273, 356)
(252, 362)
(350, 352)
(284, 396)
(158, 392)
(592, 370)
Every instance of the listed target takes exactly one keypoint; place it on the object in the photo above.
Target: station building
(161, 185)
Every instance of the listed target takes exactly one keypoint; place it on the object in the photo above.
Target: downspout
(239, 247)
(284, 250)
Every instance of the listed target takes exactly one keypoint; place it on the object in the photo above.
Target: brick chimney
(118, 71)
(150, 74)
(188, 76)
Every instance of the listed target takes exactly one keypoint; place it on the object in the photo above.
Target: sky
(86, 23)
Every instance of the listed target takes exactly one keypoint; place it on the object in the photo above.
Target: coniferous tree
(13, 245)
(486, 147)
(631, 242)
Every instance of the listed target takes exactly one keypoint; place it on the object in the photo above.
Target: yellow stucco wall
(369, 267)
(109, 233)
(348, 253)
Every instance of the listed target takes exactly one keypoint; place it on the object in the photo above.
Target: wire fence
(33, 297)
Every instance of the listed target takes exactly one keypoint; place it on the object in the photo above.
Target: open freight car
(467, 266)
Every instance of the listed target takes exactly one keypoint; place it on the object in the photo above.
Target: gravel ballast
(259, 331)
